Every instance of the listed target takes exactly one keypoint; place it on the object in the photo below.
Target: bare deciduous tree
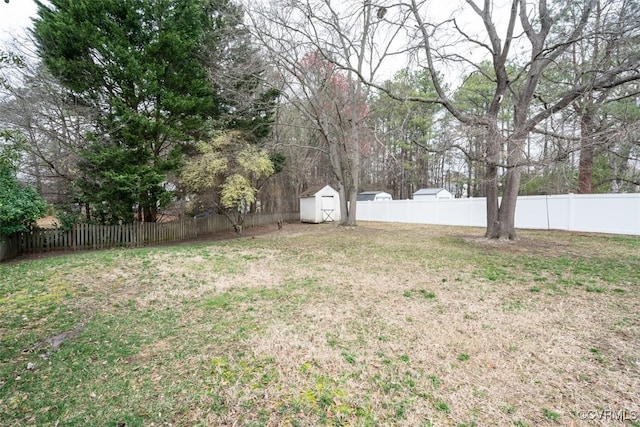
(521, 49)
(522, 41)
(53, 124)
(340, 43)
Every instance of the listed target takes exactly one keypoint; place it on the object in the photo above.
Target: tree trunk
(504, 228)
(344, 205)
(150, 214)
(494, 144)
(585, 167)
(236, 218)
(338, 169)
(238, 227)
(350, 220)
(347, 217)
(491, 192)
(352, 155)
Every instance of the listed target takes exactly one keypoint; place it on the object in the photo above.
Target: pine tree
(140, 64)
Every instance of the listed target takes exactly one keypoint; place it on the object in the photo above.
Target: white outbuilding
(432, 194)
(320, 204)
(374, 196)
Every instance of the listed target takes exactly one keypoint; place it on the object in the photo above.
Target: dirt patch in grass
(56, 340)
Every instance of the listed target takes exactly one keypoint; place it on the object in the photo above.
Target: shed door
(327, 203)
(328, 208)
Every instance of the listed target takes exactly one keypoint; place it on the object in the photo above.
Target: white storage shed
(432, 194)
(374, 196)
(320, 204)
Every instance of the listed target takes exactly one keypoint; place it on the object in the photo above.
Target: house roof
(429, 191)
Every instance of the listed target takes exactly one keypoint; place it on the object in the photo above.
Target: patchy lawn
(385, 324)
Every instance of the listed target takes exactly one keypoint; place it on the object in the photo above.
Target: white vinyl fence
(597, 213)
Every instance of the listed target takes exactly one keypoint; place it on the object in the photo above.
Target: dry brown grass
(528, 351)
(386, 324)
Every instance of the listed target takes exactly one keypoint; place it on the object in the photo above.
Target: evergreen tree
(139, 63)
(411, 154)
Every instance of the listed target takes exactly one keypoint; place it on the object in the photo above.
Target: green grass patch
(550, 415)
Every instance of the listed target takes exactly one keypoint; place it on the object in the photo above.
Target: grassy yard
(382, 325)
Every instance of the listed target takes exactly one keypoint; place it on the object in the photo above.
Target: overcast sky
(15, 17)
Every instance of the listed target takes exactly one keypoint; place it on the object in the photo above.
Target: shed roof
(369, 195)
(429, 191)
(312, 191)
(363, 197)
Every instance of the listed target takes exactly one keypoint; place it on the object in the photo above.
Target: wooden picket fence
(93, 237)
